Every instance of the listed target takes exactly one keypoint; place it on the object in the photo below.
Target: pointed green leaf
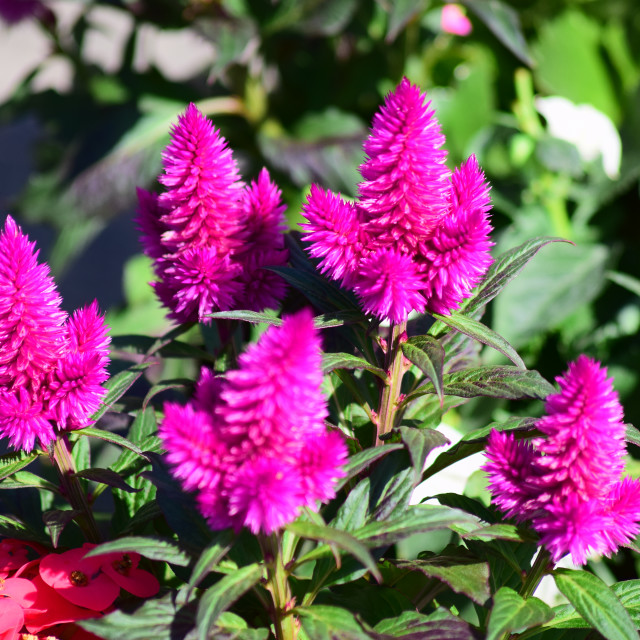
(321, 620)
(491, 381)
(419, 443)
(456, 567)
(152, 548)
(106, 476)
(428, 355)
(632, 435)
(211, 556)
(223, 594)
(55, 521)
(512, 613)
(502, 271)
(439, 625)
(14, 461)
(24, 479)
(476, 440)
(114, 438)
(246, 316)
(342, 539)
(331, 361)
(165, 385)
(363, 460)
(597, 603)
(480, 332)
(118, 385)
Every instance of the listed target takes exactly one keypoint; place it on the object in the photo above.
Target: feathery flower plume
(424, 227)
(52, 367)
(568, 483)
(210, 236)
(253, 444)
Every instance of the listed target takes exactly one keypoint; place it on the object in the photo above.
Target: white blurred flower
(590, 130)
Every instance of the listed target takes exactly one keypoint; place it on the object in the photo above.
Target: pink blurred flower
(568, 483)
(454, 20)
(210, 236)
(425, 229)
(51, 367)
(248, 443)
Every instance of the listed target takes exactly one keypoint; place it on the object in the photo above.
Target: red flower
(122, 568)
(11, 619)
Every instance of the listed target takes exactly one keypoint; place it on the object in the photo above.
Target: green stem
(391, 391)
(285, 625)
(72, 489)
(541, 567)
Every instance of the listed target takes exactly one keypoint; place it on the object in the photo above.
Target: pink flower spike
(262, 289)
(334, 231)
(388, 284)
(203, 187)
(148, 223)
(454, 20)
(206, 394)
(78, 579)
(32, 337)
(623, 508)
(123, 570)
(457, 257)
(404, 194)
(583, 451)
(22, 420)
(265, 494)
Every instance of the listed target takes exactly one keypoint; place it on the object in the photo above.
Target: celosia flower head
(51, 367)
(211, 237)
(568, 483)
(425, 229)
(253, 444)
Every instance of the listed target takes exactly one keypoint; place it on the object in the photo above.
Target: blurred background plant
(546, 93)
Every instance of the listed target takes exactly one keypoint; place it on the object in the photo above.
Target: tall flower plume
(425, 229)
(210, 236)
(51, 367)
(253, 444)
(569, 483)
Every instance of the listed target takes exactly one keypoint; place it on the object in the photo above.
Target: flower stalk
(391, 391)
(63, 461)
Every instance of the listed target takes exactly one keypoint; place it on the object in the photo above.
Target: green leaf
(363, 460)
(419, 443)
(152, 548)
(25, 479)
(512, 613)
(495, 532)
(597, 603)
(164, 618)
(480, 332)
(428, 355)
(12, 527)
(506, 267)
(342, 539)
(456, 567)
(491, 381)
(14, 461)
(439, 625)
(416, 519)
(331, 361)
(114, 438)
(56, 520)
(165, 385)
(223, 594)
(401, 12)
(246, 316)
(118, 385)
(632, 435)
(504, 23)
(106, 476)
(625, 280)
(211, 556)
(476, 440)
(319, 620)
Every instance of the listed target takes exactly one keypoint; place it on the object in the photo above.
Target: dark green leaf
(439, 625)
(597, 603)
(458, 568)
(118, 385)
(114, 438)
(632, 435)
(363, 460)
(246, 316)
(495, 532)
(339, 538)
(152, 548)
(475, 441)
(400, 14)
(428, 355)
(504, 23)
(322, 620)
(12, 527)
(55, 521)
(481, 333)
(223, 594)
(502, 271)
(331, 361)
(512, 613)
(419, 443)
(24, 479)
(211, 556)
(165, 385)
(14, 461)
(491, 381)
(106, 476)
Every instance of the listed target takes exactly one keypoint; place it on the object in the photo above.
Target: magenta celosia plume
(211, 237)
(253, 444)
(424, 229)
(568, 483)
(51, 367)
